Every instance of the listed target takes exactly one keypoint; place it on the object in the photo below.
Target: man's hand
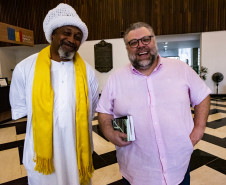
(114, 136)
(200, 118)
(196, 135)
(118, 138)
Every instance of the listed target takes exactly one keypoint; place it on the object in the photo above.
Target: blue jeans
(186, 180)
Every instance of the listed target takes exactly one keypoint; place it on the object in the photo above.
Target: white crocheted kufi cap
(63, 15)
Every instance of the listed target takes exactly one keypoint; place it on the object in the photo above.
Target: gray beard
(65, 55)
(143, 64)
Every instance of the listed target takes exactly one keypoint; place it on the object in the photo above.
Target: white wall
(119, 56)
(213, 56)
(7, 62)
(23, 52)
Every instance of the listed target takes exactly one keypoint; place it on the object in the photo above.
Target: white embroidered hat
(63, 15)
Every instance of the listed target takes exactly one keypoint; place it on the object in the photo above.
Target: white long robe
(64, 133)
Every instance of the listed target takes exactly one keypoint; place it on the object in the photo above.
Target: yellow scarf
(42, 118)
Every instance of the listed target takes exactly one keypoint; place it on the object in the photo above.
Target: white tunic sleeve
(17, 95)
(93, 88)
(21, 87)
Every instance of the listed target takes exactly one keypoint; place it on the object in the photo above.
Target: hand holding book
(125, 125)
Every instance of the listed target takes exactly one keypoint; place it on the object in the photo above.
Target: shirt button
(62, 63)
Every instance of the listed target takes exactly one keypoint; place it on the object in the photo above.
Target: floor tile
(98, 161)
(5, 116)
(7, 135)
(102, 146)
(217, 123)
(214, 140)
(216, 116)
(119, 182)
(21, 127)
(207, 176)
(106, 175)
(23, 171)
(219, 165)
(213, 110)
(219, 108)
(95, 117)
(11, 145)
(219, 132)
(207, 161)
(20, 150)
(95, 122)
(218, 102)
(20, 181)
(211, 149)
(110, 157)
(200, 158)
(18, 120)
(96, 129)
(10, 165)
(20, 137)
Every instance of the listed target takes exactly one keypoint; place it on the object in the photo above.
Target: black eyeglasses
(135, 42)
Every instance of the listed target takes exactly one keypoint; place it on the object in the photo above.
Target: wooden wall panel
(107, 19)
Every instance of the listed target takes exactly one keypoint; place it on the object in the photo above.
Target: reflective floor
(208, 162)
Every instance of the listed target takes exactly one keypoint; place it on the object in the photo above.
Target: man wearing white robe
(65, 32)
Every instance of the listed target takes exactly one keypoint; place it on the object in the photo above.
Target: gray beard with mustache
(143, 64)
(65, 55)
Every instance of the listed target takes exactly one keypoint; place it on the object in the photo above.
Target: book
(125, 124)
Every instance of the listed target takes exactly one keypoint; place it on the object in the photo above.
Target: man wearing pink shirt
(157, 92)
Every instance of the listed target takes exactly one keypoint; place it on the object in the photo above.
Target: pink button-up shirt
(160, 107)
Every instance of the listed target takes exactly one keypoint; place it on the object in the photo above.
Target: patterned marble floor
(208, 162)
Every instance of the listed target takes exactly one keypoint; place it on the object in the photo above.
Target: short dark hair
(135, 26)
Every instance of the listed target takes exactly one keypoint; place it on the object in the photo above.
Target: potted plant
(203, 72)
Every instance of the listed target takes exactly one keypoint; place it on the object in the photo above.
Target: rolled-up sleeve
(198, 89)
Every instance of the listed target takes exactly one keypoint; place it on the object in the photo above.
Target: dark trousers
(186, 180)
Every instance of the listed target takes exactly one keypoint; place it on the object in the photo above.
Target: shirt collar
(135, 71)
